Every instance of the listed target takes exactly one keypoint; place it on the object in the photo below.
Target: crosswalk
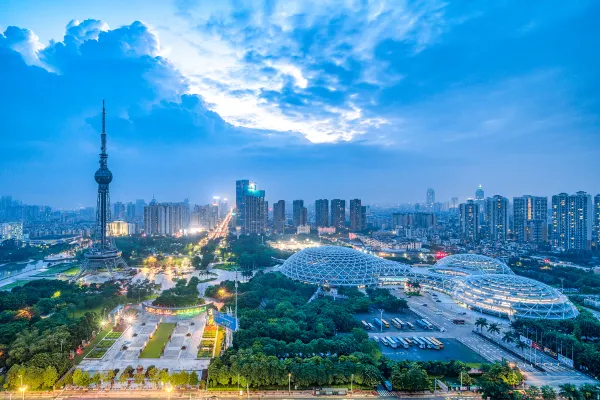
(386, 393)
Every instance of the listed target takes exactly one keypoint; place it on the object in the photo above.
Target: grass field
(58, 268)
(13, 285)
(100, 336)
(155, 346)
(219, 341)
(226, 266)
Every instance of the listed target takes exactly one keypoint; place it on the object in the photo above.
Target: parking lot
(453, 350)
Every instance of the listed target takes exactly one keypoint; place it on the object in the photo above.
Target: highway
(222, 229)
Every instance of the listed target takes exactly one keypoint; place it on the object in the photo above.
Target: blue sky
(377, 100)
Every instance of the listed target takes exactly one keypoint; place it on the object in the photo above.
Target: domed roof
(513, 296)
(338, 266)
(471, 264)
(103, 176)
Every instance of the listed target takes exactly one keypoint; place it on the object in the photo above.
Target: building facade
(166, 218)
(11, 231)
(299, 213)
(338, 213)
(496, 218)
(356, 214)
(322, 213)
(597, 222)
(430, 199)
(572, 219)
(279, 216)
(241, 188)
(469, 220)
(530, 219)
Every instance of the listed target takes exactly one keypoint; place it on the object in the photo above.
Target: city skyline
(316, 89)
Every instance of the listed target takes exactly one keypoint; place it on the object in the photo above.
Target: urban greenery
(184, 294)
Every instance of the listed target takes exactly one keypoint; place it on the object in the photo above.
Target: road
(222, 229)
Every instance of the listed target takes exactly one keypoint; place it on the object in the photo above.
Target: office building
(241, 188)
(121, 228)
(255, 211)
(530, 218)
(223, 208)
(572, 219)
(496, 218)
(322, 213)
(279, 216)
(299, 213)
(130, 212)
(11, 231)
(469, 220)
(338, 213)
(453, 206)
(139, 209)
(166, 218)
(480, 201)
(597, 221)
(430, 199)
(409, 220)
(119, 211)
(356, 215)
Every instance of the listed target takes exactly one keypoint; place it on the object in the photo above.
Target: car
(424, 305)
(439, 301)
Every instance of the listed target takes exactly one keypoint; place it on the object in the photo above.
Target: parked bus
(403, 343)
(437, 343)
(365, 325)
(397, 323)
(418, 342)
(375, 339)
(371, 326)
(384, 341)
(385, 323)
(428, 344)
(422, 324)
(407, 340)
(392, 342)
(410, 326)
(428, 323)
(378, 324)
(458, 321)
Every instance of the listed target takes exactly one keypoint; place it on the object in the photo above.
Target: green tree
(50, 376)
(589, 391)
(498, 390)
(508, 337)
(139, 377)
(532, 392)
(13, 377)
(548, 392)
(493, 328)
(481, 323)
(569, 391)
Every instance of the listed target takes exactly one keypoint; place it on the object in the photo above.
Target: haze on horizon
(311, 99)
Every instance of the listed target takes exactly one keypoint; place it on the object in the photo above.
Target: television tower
(103, 254)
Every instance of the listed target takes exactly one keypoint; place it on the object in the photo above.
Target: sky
(377, 100)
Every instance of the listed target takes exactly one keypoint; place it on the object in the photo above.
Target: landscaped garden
(208, 341)
(159, 339)
(104, 344)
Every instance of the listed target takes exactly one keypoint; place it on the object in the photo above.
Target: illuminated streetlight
(169, 389)
(290, 383)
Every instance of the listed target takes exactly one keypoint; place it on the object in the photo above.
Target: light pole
(381, 320)
(22, 388)
(290, 383)
(169, 389)
(351, 383)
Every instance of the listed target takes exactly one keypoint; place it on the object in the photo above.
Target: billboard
(225, 320)
(525, 340)
(565, 360)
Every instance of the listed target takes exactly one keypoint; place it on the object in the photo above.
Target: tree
(493, 328)
(569, 391)
(589, 392)
(481, 323)
(532, 392)
(50, 376)
(164, 376)
(508, 337)
(123, 377)
(495, 390)
(139, 377)
(13, 379)
(548, 392)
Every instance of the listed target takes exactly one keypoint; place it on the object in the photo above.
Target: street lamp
(22, 389)
(351, 383)
(290, 383)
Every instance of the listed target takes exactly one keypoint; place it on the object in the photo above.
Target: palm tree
(493, 328)
(569, 391)
(588, 391)
(532, 392)
(521, 345)
(508, 337)
(481, 323)
(548, 392)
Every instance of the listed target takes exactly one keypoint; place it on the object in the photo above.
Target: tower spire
(103, 155)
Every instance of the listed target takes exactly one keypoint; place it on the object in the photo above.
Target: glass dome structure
(339, 266)
(513, 296)
(471, 264)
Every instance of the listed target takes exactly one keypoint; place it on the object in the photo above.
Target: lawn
(56, 269)
(157, 343)
(13, 285)
(71, 271)
(219, 341)
(100, 336)
(226, 266)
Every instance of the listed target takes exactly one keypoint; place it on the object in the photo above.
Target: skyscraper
(299, 213)
(530, 218)
(597, 221)
(496, 215)
(119, 211)
(279, 216)
(430, 199)
(572, 219)
(255, 210)
(322, 213)
(162, 219)
(103, 254)
(241, 188)
(480, 201)
(338, 213)
(356, 213)
(453, 207)
(223, 208)
(469, 220)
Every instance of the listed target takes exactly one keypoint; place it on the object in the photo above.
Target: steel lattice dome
(513, 296)
(471, 264)
(338, 266)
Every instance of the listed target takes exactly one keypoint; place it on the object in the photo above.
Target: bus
(429, 324)
(428, 344)
(365, 325)
(397, 323)
(384, 341)
(410, 326)
(392, 342)
(371, 327)
(407, 340)
(458, 321)
(403, 343)
(378, 324)
(385, 323)
(437, 343)
(422, 324)
(375, 339)
(418, 342)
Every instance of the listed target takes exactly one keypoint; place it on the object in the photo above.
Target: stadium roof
(471, 264)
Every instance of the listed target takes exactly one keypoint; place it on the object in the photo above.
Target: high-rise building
(130, 213)
(139, 209)
(469, 220)
(356, 213)
(223, 208)
(364, 211)
(11, 231)
(241, 188)
(572, 219)
(279, 216)
(166, 218)
(597, 221)
(338, 213)
(453, 206)
(118, 211)
(530, 218)
(430, 199)
(322, 213)
(479, 193)
(409, 220)
(496, 214)
(255, 210)
(299, 213)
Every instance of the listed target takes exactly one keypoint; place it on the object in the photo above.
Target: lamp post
(169, 389)
(381, 320)
(352, 383)
(290, 383)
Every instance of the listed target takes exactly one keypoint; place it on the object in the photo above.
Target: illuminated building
(338, 213)
(356, 215)
(162, 219)
(597, 221)
(530, 218)
(322, 213)
(255, 210)
(299, 213)
(496, 217)
(11, 231)
(279, 216)
(469, 220)
(572, 219)
(177, 311)
(303, 229)
(430, 199)
(121, 228)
